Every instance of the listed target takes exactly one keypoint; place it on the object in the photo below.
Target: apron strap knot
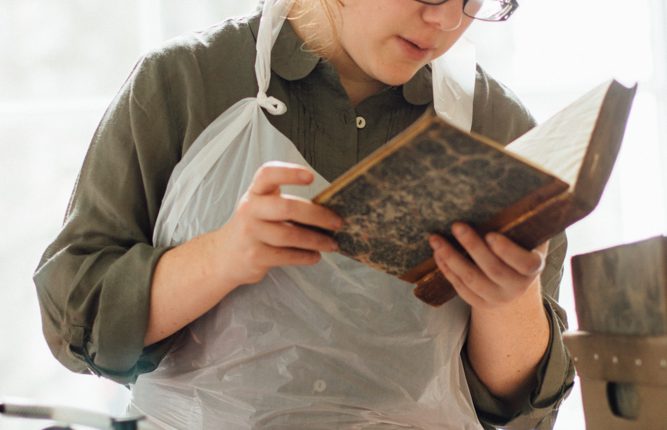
(271, 104)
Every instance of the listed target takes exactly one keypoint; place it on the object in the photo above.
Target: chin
(397, 76)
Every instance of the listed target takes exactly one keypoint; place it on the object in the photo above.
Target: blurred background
(62, 61)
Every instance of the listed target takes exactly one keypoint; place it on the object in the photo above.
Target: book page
(559, 144)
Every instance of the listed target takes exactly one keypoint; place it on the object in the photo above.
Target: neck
(313, 26)
(359, 88)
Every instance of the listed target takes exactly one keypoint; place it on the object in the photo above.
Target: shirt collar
(289, 58)
(292, 61)
(419, 89)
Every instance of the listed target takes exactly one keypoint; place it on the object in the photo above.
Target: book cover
(433, 174)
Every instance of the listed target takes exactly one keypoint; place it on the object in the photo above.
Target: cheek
(366, 24)
(362, 42)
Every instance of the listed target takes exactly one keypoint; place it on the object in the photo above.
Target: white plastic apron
(332, 346)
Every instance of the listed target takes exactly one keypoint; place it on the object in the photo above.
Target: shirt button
(361, 122)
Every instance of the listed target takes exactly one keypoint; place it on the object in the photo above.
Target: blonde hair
(330, 8)
(317, 23)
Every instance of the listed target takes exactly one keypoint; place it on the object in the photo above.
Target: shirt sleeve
(93, 282)
(555, 372)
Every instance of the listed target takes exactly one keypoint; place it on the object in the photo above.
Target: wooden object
(623, 290)
(434, 174)
(623, 380)
(621, 353)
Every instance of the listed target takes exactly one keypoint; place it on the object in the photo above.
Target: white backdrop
(62, 61)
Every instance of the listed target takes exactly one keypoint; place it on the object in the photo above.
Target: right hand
(263, 232)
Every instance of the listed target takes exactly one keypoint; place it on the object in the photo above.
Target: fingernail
(491, 238)
(436, 242)
(459, 229)
(305, 176)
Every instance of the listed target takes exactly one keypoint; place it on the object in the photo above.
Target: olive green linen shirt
(94, 280)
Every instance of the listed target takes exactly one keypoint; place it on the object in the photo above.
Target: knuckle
(495, 271)
(246, 229)
(243, 206)
(254, 255)
(468, 276)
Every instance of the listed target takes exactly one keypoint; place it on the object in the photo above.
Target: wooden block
(601, 414)
(623, 290)
(623, 379)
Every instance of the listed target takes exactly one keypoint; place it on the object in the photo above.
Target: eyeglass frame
(513, 3)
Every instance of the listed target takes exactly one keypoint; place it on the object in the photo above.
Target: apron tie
(271, 104)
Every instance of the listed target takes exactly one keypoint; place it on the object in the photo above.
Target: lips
(423, 45)
(415, 50)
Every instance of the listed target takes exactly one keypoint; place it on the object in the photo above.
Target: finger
(467, 294)
(493, 267)
(467, 272)
(292, 208)
(272, 175)
(279, 256)
(525, 262)
(283, 234)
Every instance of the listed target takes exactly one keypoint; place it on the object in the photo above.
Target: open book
(433, 174)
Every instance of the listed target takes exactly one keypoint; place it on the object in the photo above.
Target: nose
(447, 16)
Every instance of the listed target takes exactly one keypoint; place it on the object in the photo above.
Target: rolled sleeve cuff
(554, 380)
(114, 347)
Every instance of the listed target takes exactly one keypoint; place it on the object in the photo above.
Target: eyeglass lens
(487, 10)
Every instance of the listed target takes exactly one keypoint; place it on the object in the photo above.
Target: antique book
(433, 174)
(623, 290)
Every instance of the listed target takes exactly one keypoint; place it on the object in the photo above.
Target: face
(390, 40)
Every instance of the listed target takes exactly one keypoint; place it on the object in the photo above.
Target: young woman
(248, 320)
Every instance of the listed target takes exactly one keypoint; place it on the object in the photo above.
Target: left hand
(500, 271)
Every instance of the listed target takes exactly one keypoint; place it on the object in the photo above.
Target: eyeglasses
(485, 10)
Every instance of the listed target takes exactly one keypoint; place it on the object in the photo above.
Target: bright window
(62, 62)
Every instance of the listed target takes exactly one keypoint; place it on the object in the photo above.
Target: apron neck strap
(274, 13)
(454, 84)
(453, 73)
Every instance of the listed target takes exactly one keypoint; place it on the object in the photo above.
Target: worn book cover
(433, 174)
